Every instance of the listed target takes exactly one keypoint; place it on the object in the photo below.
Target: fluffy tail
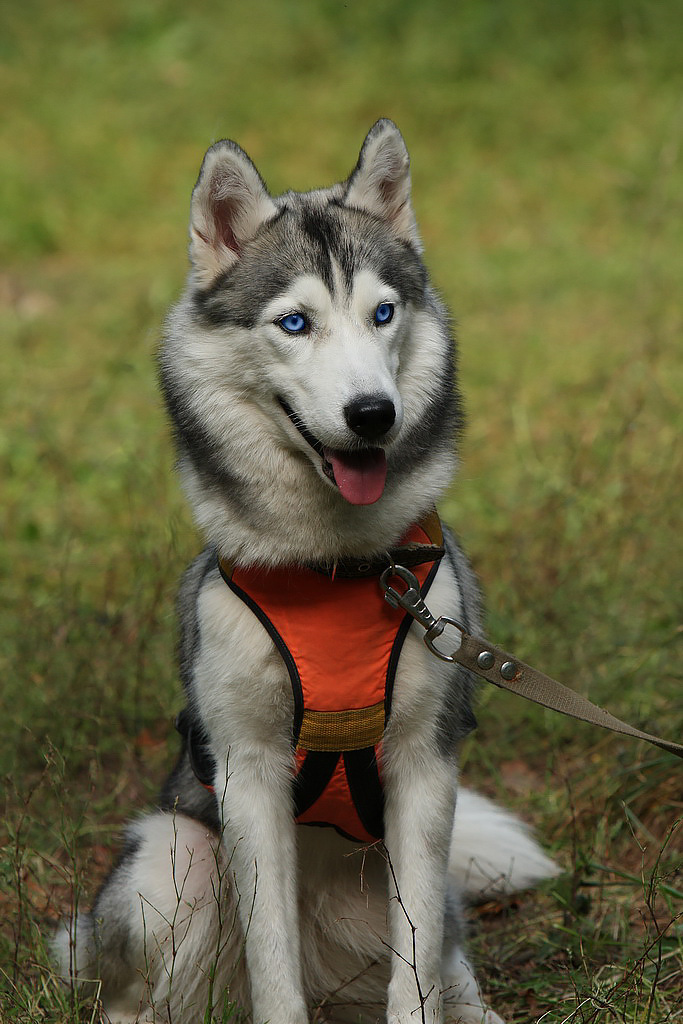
(493, 853)
(74, 952)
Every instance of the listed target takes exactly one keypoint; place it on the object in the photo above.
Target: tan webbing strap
(507, 672)
(355, 729)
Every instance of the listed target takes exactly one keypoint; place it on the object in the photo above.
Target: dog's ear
(230, 202)
(380, 181)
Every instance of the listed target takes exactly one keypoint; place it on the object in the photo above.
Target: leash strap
(501, 668)
(508, 673)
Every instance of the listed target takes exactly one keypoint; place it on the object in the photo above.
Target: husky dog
(308, 370)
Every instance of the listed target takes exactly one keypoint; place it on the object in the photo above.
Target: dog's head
(310, 317)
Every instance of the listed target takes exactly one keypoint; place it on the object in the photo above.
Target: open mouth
(359, 475)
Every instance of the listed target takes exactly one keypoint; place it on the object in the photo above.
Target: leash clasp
(411, 601)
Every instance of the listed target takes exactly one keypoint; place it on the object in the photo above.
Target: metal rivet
(508, 670)
(485, 659)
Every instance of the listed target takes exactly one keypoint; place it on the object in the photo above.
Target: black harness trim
(312, 778)
(196, 742)
(281, 646)
(365, 786)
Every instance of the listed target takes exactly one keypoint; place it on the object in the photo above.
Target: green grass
(546, 144)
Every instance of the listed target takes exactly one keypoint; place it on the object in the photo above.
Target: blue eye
(293, 323)
(384, 313)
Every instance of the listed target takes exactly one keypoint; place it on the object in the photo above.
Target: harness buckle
(411, 601)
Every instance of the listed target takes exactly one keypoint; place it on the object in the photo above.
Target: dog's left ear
(380, 181)
(230, 202)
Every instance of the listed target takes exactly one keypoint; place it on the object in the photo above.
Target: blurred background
(548, 183)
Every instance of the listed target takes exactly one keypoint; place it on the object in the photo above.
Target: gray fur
(456, 719)
(190, 632)
(182, 793)
(304, 237)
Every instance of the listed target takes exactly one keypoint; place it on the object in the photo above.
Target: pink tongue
(359, 477)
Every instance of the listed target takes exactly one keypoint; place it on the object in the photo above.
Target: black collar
(408, 555)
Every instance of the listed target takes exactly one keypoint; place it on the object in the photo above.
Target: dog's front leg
(420, 803)
(258, 832)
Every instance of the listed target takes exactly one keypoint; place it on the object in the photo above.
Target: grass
(546, 145)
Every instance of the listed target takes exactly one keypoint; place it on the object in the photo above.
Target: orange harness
(341, 643)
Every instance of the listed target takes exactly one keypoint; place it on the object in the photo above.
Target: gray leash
(500, 668)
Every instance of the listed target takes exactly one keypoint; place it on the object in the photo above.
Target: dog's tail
(74, 952)
(493, 853)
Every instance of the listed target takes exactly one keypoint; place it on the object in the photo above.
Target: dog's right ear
(230, 202)
(380, 181)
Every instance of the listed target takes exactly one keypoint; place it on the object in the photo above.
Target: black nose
(370, 416)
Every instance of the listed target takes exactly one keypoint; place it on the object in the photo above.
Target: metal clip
(411, 601)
